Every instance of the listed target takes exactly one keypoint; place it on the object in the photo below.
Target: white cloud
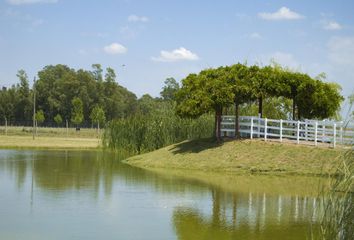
(341, 50)
(27, 20)
(115, 48)
(176, 55)
(255, 35)
(135, 18)
(332, 25)
(283, 13)
(23, 2)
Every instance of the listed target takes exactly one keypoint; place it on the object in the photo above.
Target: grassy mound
(243, 156)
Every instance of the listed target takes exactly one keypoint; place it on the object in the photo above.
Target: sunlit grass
(244, 156)
(49, 132)
(48, 142)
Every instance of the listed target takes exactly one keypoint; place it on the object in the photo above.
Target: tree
(40, 116)
(170, 89)
(58, 85)
(98, 116)
(58, 119)
(23, 105)
(207, 91)
(258, 78)
(77, 115)
(146, 104)
(238, 75)
(8, 101)
(351, 103)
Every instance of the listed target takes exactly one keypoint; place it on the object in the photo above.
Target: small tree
(58, 119)
(77, 115)
(40, 116)
(351, 103)
(169, 90)
(98, 116)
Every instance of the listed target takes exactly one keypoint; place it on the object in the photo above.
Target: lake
(92, 195)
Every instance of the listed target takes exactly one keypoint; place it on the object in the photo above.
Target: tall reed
(143, 133)
(337, 220)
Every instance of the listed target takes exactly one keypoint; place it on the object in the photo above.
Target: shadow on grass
(195, 146)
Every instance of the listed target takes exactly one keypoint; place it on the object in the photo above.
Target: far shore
(45, 142)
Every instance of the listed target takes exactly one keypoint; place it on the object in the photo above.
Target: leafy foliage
(58, 119)
(77, 111)
(170, 89)
(58, 85)
(40, 116)
(97, 115)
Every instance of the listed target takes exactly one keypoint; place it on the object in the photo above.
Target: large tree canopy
(215, 89)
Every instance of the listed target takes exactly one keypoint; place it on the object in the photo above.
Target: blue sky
(157, 39)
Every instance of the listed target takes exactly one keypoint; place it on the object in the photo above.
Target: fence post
(323, 130)
(281, 130)
(316, 125)
(298, 133)
(265, 129)
(306, 130)
(251, 136)
(259, 126)
(334, 134)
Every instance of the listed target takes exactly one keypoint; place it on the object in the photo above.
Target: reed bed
(337, 220)
(140, 133)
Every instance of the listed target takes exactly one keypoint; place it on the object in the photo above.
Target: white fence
(311, 131)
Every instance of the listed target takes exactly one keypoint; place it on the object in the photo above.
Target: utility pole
(34, 107)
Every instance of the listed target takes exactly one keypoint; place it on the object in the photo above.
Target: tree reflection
(231, 218)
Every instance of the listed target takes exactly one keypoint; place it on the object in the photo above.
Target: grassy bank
(49, 132)
(246, 156)
(48, 142)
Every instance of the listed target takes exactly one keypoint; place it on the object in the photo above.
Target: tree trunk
(218, 118)
(237, 123)
(260, 107)
(294, 109)
(216, 125)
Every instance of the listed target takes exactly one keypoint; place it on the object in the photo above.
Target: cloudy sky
(149, 41)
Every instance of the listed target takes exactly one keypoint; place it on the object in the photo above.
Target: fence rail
(311, 131)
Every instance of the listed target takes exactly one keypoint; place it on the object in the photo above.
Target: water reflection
(241, 216)
(196, 210)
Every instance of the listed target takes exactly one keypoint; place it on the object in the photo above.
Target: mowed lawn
(243, 156)
(49, 132)
(48, 142)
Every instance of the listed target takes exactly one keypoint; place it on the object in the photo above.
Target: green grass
(244, 156)
(48, 142)
(50, 132)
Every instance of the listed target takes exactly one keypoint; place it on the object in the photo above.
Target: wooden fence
(310, 131)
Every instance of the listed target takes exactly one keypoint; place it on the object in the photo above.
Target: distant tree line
(63, 93)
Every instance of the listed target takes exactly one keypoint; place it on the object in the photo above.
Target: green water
(91, 195)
